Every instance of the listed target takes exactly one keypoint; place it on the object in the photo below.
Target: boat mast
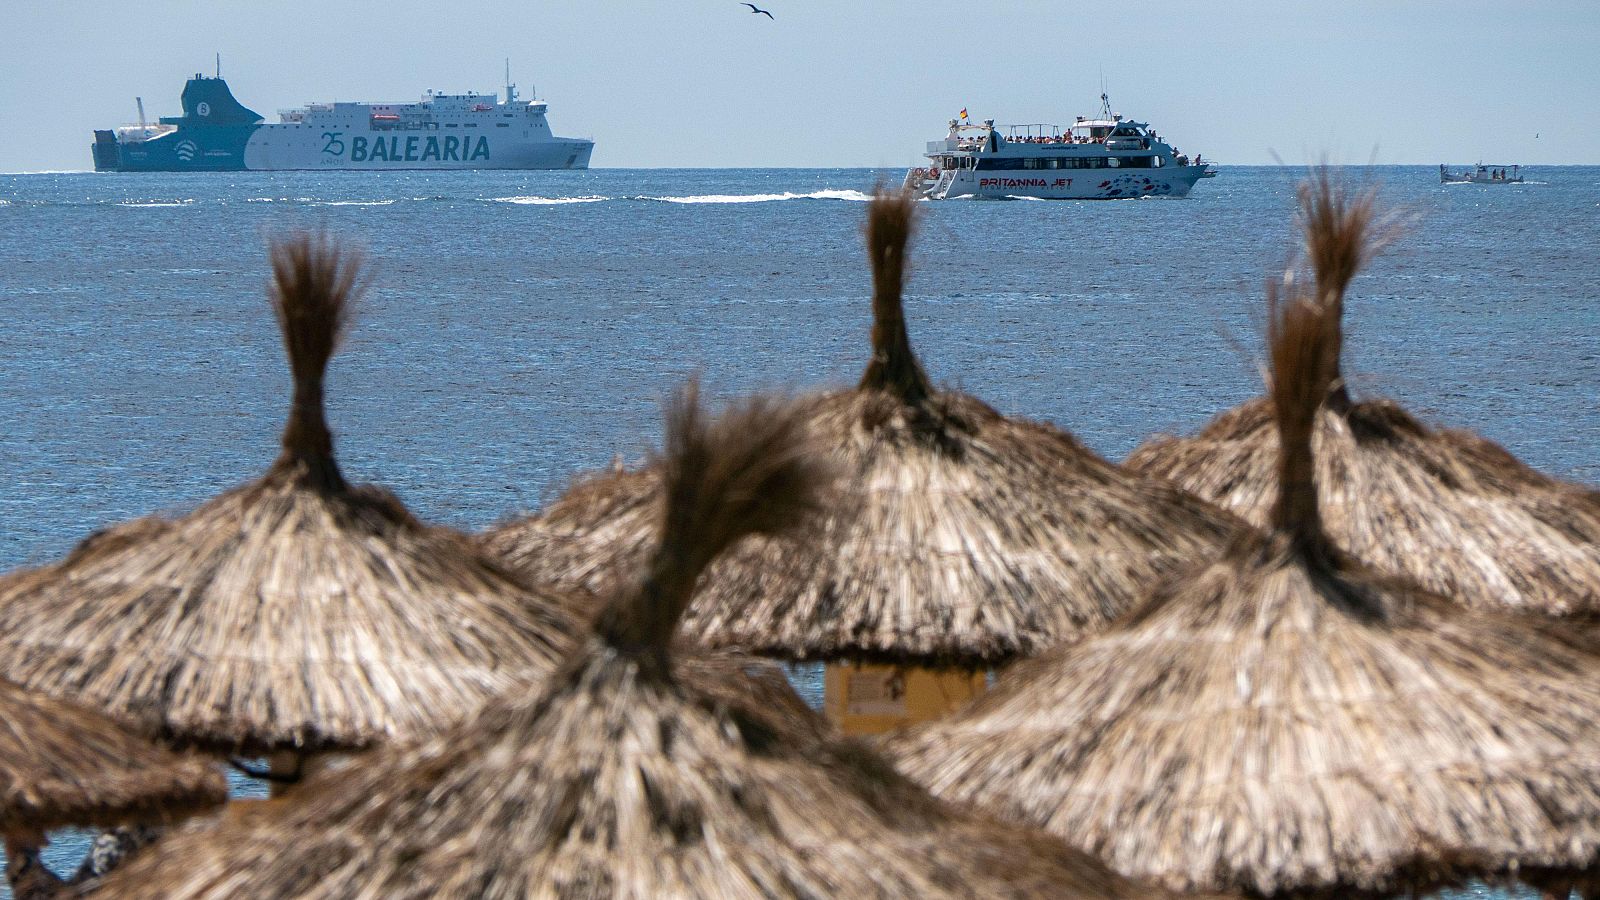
(219, 65)
(511, 89)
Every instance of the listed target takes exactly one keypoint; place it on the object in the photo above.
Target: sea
(521, 328)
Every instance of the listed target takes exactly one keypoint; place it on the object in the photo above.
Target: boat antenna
(511, 89)
(219, 64)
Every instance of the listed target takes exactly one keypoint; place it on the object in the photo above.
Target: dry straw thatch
(294, 612)
(1287, 722)
(63, 764)
(961, 536)
(625, 777)
(1448, 508)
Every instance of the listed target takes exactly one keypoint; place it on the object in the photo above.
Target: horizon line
(755, 168)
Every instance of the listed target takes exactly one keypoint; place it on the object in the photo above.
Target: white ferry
(1105, 158)
(441, 131)
(1482, 174)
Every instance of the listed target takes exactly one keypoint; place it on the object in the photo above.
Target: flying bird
(756, 9)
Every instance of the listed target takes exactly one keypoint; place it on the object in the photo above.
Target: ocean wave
(548, 201)
(763, 198)
(352, 202)
(153, 204)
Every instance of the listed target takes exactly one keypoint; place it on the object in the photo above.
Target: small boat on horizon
(1104, 158)
(1482, 173)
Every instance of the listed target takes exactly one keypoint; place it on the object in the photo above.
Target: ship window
(502, 125)
(472, 124)
(451, 125)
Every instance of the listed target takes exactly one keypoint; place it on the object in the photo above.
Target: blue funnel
(207, 101)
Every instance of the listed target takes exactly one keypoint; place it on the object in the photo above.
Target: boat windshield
(1100, 132)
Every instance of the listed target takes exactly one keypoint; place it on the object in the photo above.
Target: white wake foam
(153, 204)
(764, 198)
(548, 201)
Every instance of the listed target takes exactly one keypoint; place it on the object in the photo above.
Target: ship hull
(1099, 184)
(275, 148)
(1475, 179)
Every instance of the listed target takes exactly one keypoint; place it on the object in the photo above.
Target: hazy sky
(848, 82)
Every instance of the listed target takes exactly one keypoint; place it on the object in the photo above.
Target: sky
(666, 83)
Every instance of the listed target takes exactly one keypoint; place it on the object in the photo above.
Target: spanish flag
(963, 112)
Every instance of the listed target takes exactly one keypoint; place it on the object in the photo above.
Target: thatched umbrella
(1448, 508)
(1285, 721)
(297, 612)
(624, 777)
(62, 764)
(964, 537)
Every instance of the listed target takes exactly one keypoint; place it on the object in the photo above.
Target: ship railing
(918, 180)
(133, 134)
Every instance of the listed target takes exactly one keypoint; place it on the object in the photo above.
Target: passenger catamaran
(440, 131)
(1105, 158)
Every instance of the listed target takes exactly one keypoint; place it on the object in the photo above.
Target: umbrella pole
(871, 698)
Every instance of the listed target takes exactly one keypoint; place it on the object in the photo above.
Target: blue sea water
(523, 327)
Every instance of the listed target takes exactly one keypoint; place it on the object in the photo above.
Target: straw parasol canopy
(963, 537)
(1286, 722)
(624, 776)
(1448, 508)
(63, 764)
(296, 612)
